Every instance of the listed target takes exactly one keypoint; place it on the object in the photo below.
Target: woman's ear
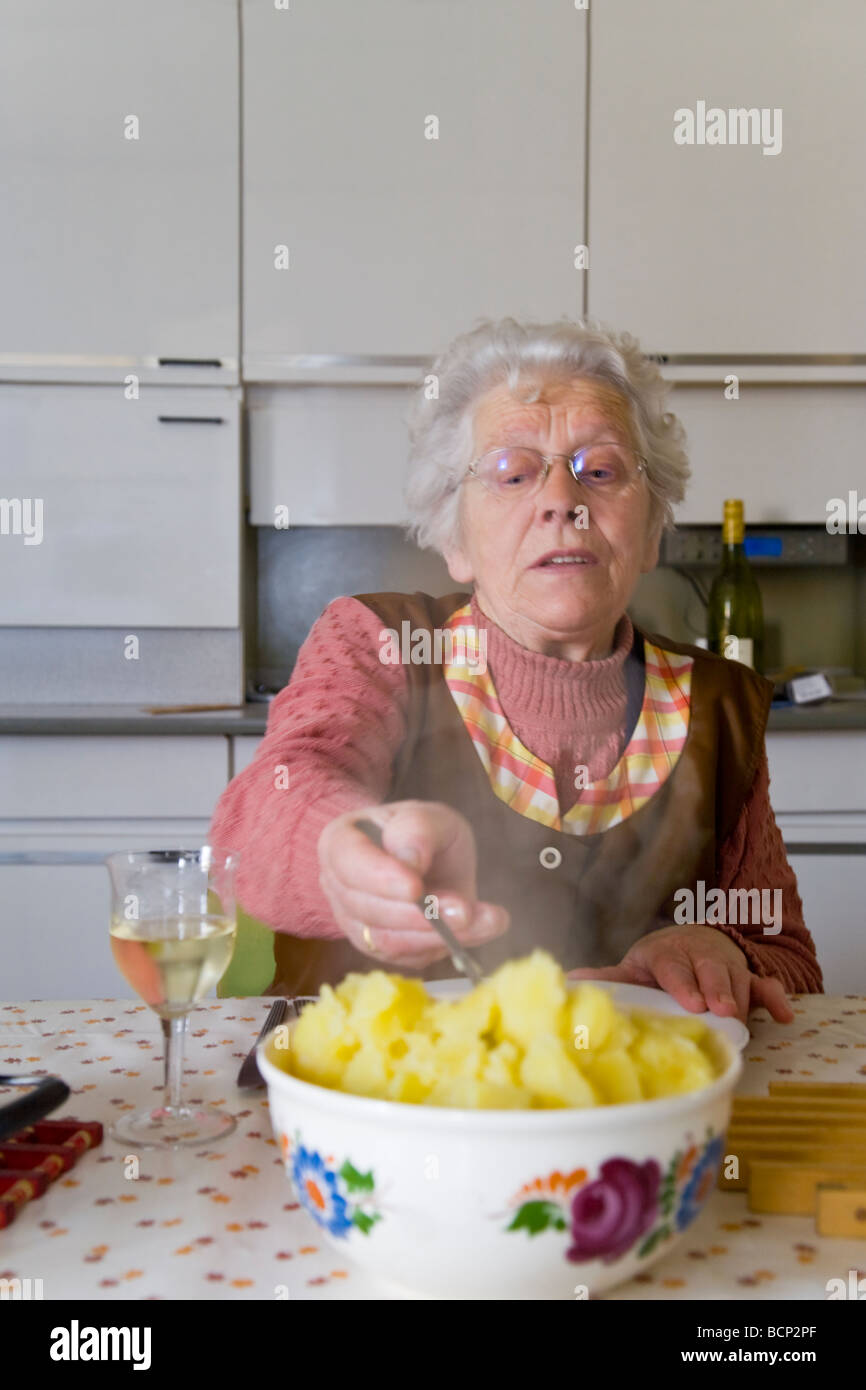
(456, 555)
(652, 546)
(459, 565)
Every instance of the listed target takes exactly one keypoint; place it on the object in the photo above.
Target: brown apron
(609, 889)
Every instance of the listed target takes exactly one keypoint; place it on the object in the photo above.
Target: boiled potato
(525, 1038)
(673, 1023)
(323, 1041)
(548, 1071)
(366, 1073)
(460, 1057)
(471, 1015)
(385, 1007)
(502, 1064)
(592, 1018)
(405, 1086)
(615, 1077)
(668, 1064)
(530, 994)
(468, 1094)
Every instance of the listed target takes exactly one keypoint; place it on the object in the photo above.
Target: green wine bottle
(735, 617)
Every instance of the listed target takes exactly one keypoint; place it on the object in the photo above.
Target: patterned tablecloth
(224, 1224)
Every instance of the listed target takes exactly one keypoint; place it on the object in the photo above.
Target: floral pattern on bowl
(624, 1203)
(339, 1199)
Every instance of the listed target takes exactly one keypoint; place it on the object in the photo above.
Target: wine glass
(173, 926)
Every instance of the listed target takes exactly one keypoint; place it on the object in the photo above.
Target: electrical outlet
(700, 547)
(692, 546)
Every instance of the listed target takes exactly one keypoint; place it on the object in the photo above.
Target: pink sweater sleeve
(329, 747)
(754, 856)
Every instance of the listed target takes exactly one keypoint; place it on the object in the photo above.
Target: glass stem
(174, 1032)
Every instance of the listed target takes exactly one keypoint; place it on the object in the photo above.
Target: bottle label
(739, 649)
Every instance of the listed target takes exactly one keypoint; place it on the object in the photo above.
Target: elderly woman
(543, 774)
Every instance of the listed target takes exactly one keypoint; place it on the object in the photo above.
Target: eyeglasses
(606, 469)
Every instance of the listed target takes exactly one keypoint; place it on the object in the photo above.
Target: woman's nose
(561, 493)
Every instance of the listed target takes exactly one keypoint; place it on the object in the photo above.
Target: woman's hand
(428, 850)
(702, 968)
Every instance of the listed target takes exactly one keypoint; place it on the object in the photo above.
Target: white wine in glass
(173, 925)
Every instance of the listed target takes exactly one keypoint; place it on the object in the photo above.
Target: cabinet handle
(59, 858)
(189, 361)
(825, 847)
(191, 419)
(759, 359)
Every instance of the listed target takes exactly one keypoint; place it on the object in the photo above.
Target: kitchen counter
(835, 714)
(251, 719)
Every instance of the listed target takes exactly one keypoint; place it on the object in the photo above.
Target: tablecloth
(224, 1224)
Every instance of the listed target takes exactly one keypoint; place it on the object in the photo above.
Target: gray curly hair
(504, 352)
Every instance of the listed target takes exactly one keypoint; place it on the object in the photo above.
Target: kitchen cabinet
(244, 749)
(65, 803)
(723, 248)
(54, 926)
(832, 886)
(335, 454)
(110, 777)
(787, 450)
(814, 773)
(119, 223)
(140, 504)
(407, 167)
(331, 455)
(818, 794)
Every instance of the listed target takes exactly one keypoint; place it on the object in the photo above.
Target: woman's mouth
(564, 559)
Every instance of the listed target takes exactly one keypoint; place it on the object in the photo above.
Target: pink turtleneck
(564, 712)
(339, 724)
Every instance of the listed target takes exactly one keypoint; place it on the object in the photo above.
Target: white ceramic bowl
(504, 1204)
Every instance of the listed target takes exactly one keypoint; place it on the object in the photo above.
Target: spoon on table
(464, 962)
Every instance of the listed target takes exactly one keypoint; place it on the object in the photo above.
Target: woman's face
(567, 610)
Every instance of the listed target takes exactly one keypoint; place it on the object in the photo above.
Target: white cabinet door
(818, 773)
(110, 777)
(244, 750)
(818, 794)
(395, 240)
(331, 455)
(140, 506)
(67, 802)
(833, 889)
(55, 900)
(54, 933)
(721, 248)
(786, 449)
(119, 217)
(55, 906)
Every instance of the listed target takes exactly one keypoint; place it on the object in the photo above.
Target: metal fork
(249, 1074)
(281, 1009)
(465, 963)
